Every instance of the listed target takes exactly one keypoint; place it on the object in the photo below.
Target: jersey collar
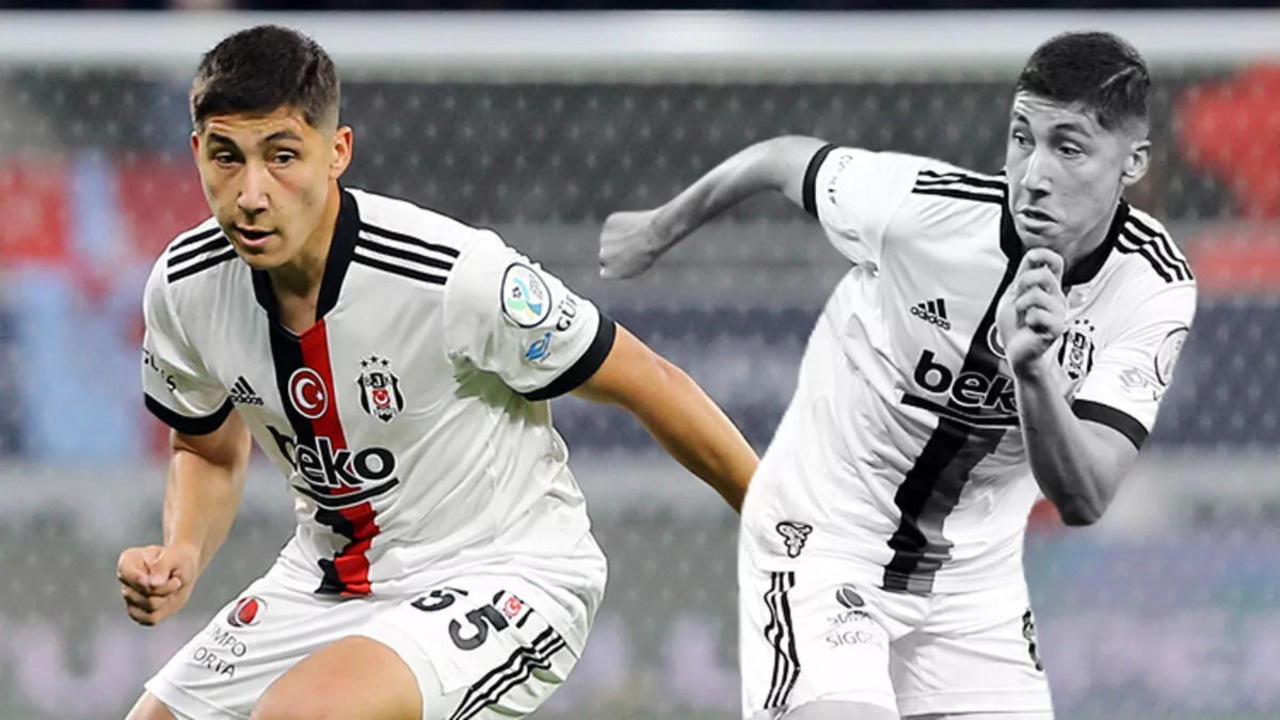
(1083, 271)
(1088, 266)
(341, 250)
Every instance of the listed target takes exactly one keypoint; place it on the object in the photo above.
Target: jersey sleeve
(854, 193)
(176, 386)
(504, 314)
(1130, 375)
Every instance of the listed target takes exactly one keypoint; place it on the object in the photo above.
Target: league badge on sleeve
(1167, 355)
(526, 300)
(379, 389)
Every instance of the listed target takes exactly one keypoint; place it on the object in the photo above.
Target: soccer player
(395, 365)
(998, 337)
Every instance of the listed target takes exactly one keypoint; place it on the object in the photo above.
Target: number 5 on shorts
(482, 618)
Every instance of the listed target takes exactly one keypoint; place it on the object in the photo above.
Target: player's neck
(1084, 247)
(296, 283)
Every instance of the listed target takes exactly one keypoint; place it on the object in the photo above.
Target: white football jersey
(410, 420)
(900, 454)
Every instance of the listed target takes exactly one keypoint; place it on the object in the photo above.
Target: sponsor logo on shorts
(845, 638)
(852, 625)
(246, 612)
(222, 647)
(793, 536)
(849, 597)
(853, 603)
(210, 659)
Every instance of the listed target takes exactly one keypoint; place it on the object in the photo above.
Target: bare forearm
(200, 502)
(1074, 469)
(729, 183)
(697, 433)
(690, 427)
(777, 164)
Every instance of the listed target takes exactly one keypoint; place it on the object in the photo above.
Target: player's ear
(195, 144)
(1136, 161)
(342, 138)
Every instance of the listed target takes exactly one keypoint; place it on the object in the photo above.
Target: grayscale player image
(998, 339)
(394, 365)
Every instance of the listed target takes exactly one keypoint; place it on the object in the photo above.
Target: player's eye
(224, 158)
(1021, 139)
(284, 157)
(1070, 151)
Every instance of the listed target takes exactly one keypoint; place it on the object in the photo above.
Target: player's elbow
(1081, 511)
(1078, 516)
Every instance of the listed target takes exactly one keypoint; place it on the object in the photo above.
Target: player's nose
(253, 196)
(1036, 173)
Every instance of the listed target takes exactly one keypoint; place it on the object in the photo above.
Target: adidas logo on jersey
(242, 393)
(934, 311)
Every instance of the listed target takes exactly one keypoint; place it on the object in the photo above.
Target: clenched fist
(156, 581)
(629, 244)
(1032, 314)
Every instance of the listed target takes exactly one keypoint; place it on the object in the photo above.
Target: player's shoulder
(1148, 252)
(400, 237)
(200, 252)
(952, 184)
(383, 217)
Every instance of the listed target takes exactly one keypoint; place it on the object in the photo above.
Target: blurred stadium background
(539, 125)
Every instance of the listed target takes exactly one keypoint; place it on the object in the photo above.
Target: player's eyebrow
(279, 135)
(1065, 126)
(221, 139)
(1071, 126)
(276, 136)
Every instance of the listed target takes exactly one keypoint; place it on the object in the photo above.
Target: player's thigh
(476, 647)
(355, 678)
(976, 654)
(807, 637)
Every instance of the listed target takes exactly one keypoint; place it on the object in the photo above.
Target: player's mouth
(1034, 218)
(253, 238)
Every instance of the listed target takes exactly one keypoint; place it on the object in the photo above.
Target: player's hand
(1032, 314)
(629, 244)
(156, 581)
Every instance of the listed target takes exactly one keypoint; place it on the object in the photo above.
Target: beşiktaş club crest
(1076, 354)
(379, 389)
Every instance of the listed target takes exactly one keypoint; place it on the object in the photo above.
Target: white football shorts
(809, 634)
(476, 642)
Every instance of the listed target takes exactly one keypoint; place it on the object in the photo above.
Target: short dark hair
(1098, 70)
(262, 69)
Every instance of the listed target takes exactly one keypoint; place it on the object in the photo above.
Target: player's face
(271, 182)
(1066, 173)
